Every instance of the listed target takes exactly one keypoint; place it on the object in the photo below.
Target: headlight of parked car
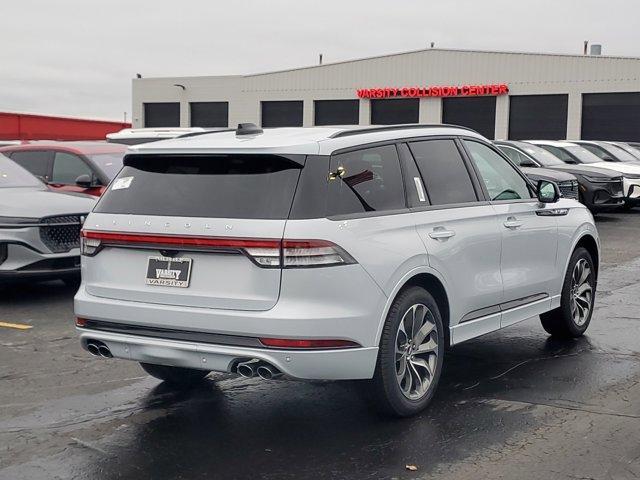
(17, 222)
(598, 179)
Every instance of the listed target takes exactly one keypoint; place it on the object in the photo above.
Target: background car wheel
(572, 317)
(176, 376)
(411, 354)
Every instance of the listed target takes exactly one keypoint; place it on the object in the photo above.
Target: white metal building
(500, 94)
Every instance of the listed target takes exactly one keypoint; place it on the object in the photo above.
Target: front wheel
(411, 354)
(572, 317)
(175, 376)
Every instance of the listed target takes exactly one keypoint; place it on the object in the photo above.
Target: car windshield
(582, 154)
(13, 175)
(109, 163)
(546, 158)
(621, 154)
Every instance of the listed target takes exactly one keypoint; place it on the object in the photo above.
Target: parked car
(327, 253)
(628, 148)
(136, 136)
(83, 167)
(607, 151)
(600, 189)
(39, 228)
(573, 153)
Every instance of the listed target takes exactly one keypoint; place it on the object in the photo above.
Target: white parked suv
(327, 253)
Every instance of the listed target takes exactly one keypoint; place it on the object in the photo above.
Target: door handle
(512, 223)
(441, 233)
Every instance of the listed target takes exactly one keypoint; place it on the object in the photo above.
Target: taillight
(307, 343)
(264, 252)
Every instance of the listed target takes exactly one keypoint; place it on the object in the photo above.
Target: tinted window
(282, 114)
(478, 113)
(214, 186)
(36, 162)
(162, 114)
(538, 116)
(68, 167)
(336, 112)
(13, 175)
(500, 178)
(392, 112)
(371, 181)
(444, 173)
(209, 114)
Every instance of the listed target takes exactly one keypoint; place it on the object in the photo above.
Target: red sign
(436, 91)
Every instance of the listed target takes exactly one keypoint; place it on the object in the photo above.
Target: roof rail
(385, 128)
(206, 132)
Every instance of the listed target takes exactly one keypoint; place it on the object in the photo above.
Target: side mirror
(608, 159)
(84, 181)
(528, 164)
(548, 192)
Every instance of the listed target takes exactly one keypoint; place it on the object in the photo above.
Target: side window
(365, 181)
(514, 155)
(68, 167)
(445, 175)
(558, 152)
(502, 180)
(37, 162)
(596, 150)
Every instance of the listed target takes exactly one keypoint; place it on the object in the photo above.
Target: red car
(85, 167)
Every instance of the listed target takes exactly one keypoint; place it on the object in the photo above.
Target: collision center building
(499, 94)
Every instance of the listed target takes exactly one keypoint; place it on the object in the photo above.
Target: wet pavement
(514, 404)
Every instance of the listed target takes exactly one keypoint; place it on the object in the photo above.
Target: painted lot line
(17, 326)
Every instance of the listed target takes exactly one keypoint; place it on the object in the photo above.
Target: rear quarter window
(211, 186)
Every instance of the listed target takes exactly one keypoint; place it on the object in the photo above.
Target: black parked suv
(599, 189)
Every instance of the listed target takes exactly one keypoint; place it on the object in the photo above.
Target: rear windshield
(212, 186)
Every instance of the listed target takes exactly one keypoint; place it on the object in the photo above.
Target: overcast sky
(77, 57)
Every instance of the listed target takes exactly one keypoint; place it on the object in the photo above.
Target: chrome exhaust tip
(268, 372)
(247, 369)
(104, 351)
(93, 349)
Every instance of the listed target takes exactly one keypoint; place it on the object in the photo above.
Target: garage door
(162, 114)
(282, 114)
(478, 113)
(209, 114)
(611, 116)
(393, 112)
(538, 117)
(336, 112)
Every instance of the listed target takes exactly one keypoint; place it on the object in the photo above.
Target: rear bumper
(343, 364)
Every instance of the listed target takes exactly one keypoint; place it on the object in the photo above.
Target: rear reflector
(294, 343)
(81, 322)
(264, 252)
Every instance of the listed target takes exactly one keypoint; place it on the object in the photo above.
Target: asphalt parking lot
(513, 404)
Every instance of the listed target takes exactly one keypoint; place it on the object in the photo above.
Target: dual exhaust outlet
(255, 366)
(98, 349)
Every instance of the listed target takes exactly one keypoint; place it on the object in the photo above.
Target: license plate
(169, 272)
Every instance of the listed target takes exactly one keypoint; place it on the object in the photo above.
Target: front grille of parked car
(569, 189)
(61, 234)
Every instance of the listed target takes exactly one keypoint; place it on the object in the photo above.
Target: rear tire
(175, 376)
(411, 354)
(571, 319)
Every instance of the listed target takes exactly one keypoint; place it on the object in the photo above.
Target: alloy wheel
(416, 351)
(581, 292)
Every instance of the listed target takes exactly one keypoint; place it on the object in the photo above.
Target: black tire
(388, 394)
(175, 376)
(560, 322)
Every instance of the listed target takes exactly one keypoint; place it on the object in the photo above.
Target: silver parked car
(39, 228)
(327, 253)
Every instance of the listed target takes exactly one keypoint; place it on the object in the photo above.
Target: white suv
(327, 253)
